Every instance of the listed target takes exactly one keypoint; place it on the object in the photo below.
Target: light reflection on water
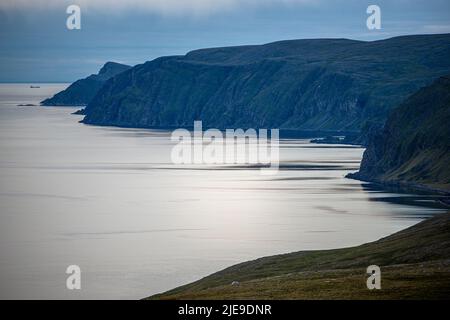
(109, 200)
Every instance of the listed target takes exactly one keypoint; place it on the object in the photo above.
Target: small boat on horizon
(34, 87)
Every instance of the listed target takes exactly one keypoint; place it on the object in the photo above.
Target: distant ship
(34, 87)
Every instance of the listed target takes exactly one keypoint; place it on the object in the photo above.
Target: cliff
(413, 149)
(321, 84)
(82, 91)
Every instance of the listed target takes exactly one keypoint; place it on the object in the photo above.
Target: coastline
(284, 133)
(400, 184)
(414, 264)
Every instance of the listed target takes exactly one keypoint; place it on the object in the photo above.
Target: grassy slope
(415, 263)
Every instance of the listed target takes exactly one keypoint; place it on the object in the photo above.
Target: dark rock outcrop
(82, 91)
(323, 84)
(413, 149)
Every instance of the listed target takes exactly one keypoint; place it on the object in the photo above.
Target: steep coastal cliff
(322, 84)
(413, 149)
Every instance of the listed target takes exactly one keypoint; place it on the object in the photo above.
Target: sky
(36, 46)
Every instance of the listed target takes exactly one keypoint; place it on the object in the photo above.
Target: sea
(111, 201)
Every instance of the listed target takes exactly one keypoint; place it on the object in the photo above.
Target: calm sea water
(109, 200)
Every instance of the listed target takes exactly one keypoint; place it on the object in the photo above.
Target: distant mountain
(322, 84)
(82, 91)
(414, 146)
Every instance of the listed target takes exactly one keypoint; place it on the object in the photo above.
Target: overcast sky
(36, 46)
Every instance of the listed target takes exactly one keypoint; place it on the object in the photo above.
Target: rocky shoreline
(400, 184)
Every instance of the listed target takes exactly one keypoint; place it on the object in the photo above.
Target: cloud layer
(166, 7)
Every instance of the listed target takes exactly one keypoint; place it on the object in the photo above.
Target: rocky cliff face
(82, 91)
(414, 146)
(325, 84)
